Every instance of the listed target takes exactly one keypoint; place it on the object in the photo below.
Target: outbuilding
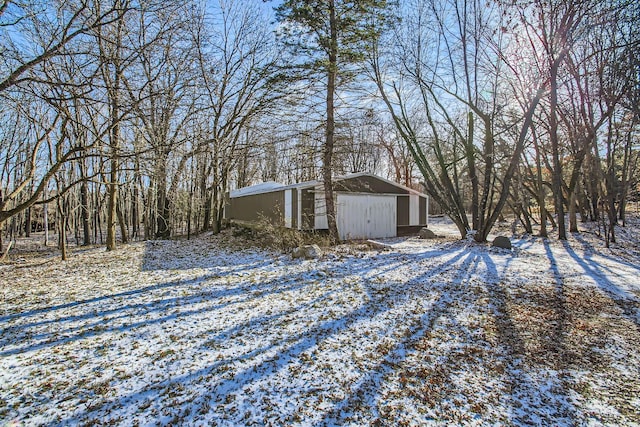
(367, 206)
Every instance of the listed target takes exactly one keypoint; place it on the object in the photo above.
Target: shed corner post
(427, 217)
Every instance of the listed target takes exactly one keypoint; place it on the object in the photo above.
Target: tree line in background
(129, 119)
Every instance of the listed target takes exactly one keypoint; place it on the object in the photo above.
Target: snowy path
(429, 333)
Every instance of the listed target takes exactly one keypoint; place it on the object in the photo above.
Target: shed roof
(267, 187)
(264, 187)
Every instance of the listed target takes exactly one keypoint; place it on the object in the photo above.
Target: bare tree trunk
(1, 222)
(327, 155)
(473, 175)
(215, 226)
(205, 195)
(610, 184)
(27, 223)
(112, 201)
(135, 209)
(112, 71)
(191, 186)
(148, 215)
(603, 221)
(123, 224)
(163, 229)
(582, 202)
(557, 166)
(522, 205)
(212, 204)
(573, 216)
(541, 192)
(208, 202)
(97, 224)
(84, 206)
(627, 173)
(592, 183)
(218, 200)
(45, 218)
(62, 226)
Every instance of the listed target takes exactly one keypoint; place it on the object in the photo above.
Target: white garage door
(361, 216)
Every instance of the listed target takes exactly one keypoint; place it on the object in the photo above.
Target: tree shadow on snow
(219, 263)
(369, 387)
(528, 406)
(210, 387)
(273, 357)
(127, 311)
(628, 303)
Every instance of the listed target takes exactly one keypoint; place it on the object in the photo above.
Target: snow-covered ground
(441, 332)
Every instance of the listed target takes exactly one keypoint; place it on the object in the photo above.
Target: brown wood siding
(422, 215)
(403, 210)
(294, 208)
(308, 205)
(257, 207)
(367, 184)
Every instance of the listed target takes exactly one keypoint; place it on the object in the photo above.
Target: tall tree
(236, 59)
(573, 43)
(161, 89)
(110, 40)
(35, 37)
(333, 35)
(445, 84)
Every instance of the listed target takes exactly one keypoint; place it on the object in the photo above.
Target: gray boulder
(502, 242)
(425, 233)
(306, 252)
(378, 245)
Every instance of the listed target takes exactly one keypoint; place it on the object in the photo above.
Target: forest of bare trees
(127, 119)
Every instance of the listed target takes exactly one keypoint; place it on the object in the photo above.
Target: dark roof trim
(270, 187)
